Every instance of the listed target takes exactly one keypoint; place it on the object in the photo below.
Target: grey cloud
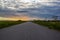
(41, 12)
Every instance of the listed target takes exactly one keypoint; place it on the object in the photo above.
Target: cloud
(32, 13)
(50, 3)
(43, 10)
(16, 4)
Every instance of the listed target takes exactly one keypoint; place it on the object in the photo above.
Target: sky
(29, 9)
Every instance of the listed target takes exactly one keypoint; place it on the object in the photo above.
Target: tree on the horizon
(55, 18)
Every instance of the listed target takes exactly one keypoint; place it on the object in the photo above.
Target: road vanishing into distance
(28, 31)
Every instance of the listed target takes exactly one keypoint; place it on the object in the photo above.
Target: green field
(4, 24)
(50, 24)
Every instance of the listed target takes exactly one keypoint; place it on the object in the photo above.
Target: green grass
(4, 24)
(50, 24)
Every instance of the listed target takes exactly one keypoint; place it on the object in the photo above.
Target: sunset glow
(15, 18)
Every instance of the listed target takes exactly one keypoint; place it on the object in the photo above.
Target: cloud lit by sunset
(24, 18)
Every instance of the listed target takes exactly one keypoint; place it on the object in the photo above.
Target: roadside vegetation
(4, 24)
(50, 24)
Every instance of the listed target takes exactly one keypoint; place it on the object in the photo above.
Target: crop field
(4, 24)
(50, 24)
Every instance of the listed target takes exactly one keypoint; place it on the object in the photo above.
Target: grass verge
(4, 24)
(50, 24)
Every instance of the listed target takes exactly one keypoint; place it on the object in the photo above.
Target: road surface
(28, 31)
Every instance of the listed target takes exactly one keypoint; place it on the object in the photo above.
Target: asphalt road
(28, 31)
